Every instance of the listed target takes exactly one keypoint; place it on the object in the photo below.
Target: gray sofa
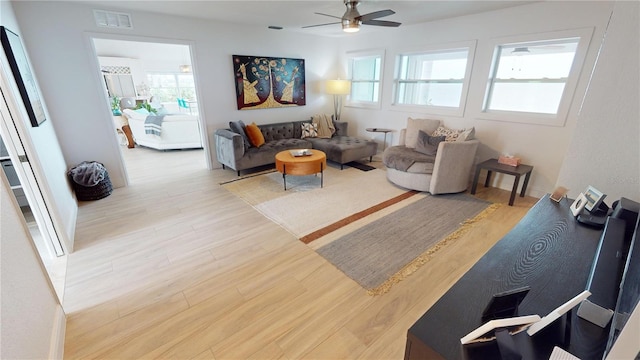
(340, 148)
(448, 171)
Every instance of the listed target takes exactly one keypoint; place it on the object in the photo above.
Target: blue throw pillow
(428, 144)
(238, 128)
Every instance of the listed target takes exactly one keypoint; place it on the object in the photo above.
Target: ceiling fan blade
(375, 15)
(337, 17)
(382, 23)
(310, 26)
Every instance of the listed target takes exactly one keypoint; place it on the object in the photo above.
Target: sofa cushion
(341, 128)
(415, 125)
(450, 134)
(255, 135)
(467, 134)
(343, 149)
(238, 128)
(277, 131)
(428, 144)
(309, 130)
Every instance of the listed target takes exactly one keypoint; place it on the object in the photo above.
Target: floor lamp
(338, 88)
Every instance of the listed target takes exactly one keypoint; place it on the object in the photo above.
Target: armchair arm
(452, 168)
(229, 147)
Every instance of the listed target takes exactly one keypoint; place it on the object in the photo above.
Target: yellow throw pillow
(255, 135)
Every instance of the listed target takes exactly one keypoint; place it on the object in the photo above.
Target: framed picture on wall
(268, 82)
(24, 76)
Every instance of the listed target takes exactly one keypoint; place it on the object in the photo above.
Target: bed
(174, 131)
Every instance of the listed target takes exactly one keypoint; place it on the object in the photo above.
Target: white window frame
(470, 46)
(565, 104)
(376, 104)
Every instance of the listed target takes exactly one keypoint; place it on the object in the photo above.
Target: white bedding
(179, 131)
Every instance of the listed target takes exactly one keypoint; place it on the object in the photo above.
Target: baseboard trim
(58, 334)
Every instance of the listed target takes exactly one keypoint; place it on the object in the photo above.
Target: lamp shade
(338, 87)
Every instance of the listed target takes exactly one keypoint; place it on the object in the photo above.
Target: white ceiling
(292, 15)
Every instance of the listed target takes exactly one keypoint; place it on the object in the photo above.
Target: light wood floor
(174, 266)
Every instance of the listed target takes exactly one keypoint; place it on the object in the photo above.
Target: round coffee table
(288, 164)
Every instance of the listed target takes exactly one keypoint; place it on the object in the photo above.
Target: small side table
(517, 171)
(381, 130)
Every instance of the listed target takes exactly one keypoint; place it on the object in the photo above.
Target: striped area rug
(384, 251)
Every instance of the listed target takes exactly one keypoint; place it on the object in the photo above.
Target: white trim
(361, 54)
(559, 119)
(90, 36)
(58, 334)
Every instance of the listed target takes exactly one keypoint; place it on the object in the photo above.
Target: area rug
(305, 208)
(385, 251)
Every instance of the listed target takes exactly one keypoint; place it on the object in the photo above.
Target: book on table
(300, 152)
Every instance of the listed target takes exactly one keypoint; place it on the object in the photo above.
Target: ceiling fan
(351, 20)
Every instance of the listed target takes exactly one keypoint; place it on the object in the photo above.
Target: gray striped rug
(383, 252)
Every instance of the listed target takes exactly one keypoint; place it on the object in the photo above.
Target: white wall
(538, 145)
(42, 147)
(605, 150)
(56, 35)
(32, 325)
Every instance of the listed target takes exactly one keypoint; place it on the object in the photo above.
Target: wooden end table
(517, 171)
(287, 164)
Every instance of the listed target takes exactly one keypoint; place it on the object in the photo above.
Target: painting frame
(263, 82)
(23, 76)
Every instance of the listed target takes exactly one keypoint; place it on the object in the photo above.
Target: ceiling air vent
(112, 19)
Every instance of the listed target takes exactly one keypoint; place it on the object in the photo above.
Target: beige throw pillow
(467, 134)
(451, 134)
(414, 126)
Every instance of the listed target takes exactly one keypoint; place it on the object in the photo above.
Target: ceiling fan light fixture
(350, 26)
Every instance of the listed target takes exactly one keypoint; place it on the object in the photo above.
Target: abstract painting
(23, 75)
(267, 82)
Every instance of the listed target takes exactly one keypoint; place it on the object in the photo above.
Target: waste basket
(90, 181)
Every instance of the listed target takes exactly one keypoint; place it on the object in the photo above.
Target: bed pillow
(238, 127)
(415, 125)
(255, 135)
(428, 144)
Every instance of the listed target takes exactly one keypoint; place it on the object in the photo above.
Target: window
(531, 77)
(365, 72)
(534, 80)
(168, 87)
(434, 79)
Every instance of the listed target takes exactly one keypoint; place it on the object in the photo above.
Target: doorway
(151, 78)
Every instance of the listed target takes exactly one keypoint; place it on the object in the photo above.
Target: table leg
(524, 185)
(384, 145)
(488, 179)
(474, 186)
(514, 190)
(284, 176)
(321, 176)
